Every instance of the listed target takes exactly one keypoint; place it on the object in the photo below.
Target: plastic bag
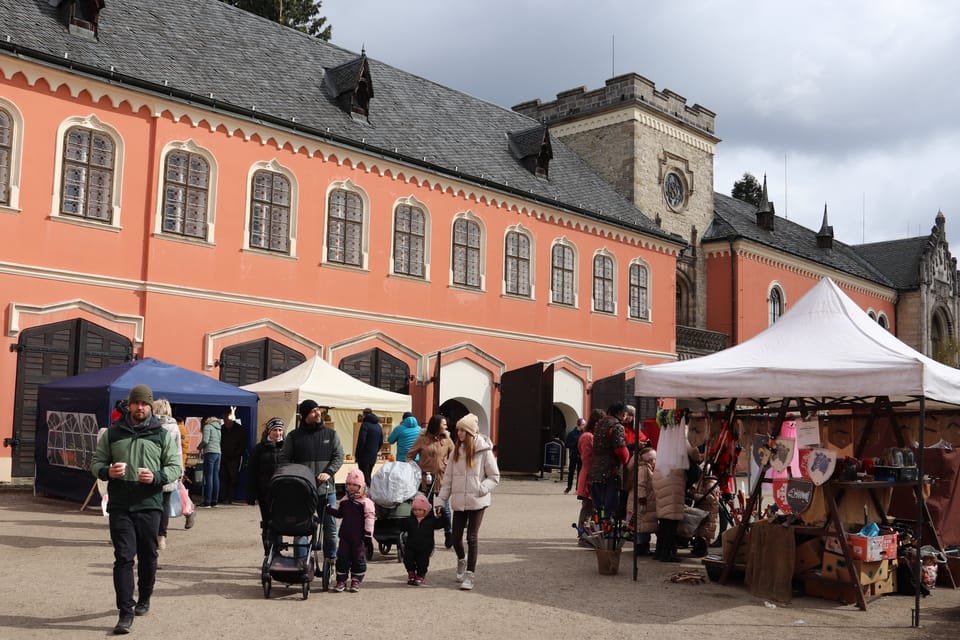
(186, 504)
(174, 508)
(394, 483)
(692, 517)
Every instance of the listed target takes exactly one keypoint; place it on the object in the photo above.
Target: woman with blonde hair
(164, 413)
(471, 476)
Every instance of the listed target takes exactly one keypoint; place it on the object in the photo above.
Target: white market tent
(318, 380)
(826, 349)
(824, 346)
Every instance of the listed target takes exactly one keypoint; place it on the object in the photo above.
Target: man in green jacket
(137, 457)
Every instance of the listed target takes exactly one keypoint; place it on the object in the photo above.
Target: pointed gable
(351, 85)
(531, 147)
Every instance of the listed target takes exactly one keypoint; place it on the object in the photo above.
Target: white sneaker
(461, 569)
(468, 581)
(161, 542)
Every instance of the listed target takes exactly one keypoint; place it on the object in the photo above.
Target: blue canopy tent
(71, 411)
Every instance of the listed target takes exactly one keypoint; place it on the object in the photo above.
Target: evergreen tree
(301, 15)
(748, 189)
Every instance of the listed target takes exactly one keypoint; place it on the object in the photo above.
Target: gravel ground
(532, 582)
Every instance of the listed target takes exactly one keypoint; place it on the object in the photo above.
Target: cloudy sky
(853, 104)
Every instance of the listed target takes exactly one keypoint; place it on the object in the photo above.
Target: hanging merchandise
(672, 446)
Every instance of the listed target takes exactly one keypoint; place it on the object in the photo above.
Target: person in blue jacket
(404, 434)
(369, 441)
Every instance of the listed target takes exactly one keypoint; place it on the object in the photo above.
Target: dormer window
(83, 16)
(351, 86)
(531, 147)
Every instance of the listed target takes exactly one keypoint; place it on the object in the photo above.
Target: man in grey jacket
(314, 445)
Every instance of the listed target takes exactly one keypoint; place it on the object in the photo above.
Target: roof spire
(764, 198)
(825, 235)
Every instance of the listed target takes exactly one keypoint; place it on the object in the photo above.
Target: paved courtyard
(532, 582)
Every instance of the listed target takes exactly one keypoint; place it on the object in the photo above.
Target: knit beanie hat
(306, 407)
(141, 393)
(273, 423)
(355, 476)
(420, 502)
(469, 423)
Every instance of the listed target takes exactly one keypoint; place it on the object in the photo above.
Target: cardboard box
(809, 555)
(834, 567)
(866, 549)
(816, 585)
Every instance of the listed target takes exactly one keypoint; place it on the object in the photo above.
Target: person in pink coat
(585, 445)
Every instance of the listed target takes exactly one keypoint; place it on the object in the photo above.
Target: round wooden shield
(799, 495)
(780, 495)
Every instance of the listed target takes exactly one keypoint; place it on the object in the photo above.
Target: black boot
(669, 541)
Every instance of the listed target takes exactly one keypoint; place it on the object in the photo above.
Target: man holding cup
(137, 457)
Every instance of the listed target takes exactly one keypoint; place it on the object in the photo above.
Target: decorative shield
(782, 455)
(761, 449)
(802, 458)
(799, 495)
(821, 464)
(780, 495)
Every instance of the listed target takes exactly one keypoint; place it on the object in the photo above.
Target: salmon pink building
(236, 223)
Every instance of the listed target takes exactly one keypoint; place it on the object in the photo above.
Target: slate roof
(190, 49)
(735, 218)
(899, 260)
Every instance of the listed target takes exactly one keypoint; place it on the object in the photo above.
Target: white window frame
(275, 167)
(411, 201)
(604, 253)
(638, 262)
(531, 276)
(188, 146)
(469, 215)
(576, 273)
(16, 156)
(783, 302)
(348, 185)
(94, 123)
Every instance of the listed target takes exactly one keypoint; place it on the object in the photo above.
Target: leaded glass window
(517, 264)
(562, 274)
(6, 155)
(186, 191)
(776, 304)
(88, 167)
(639, 302)
(270, 212)
(345, 228)
(603, 284)
(466, 253)
(409, 231)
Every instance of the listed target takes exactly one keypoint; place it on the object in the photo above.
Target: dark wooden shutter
(378, 369)
(52, 352)
(607, 391)
(256, 360)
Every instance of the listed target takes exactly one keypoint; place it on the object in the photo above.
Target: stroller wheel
(698, 547)
(400, 550)
(385, 548)
(266, 587)
(326, 573)
(306, 590)
(368, 548)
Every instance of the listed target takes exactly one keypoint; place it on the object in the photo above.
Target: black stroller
(293, 513)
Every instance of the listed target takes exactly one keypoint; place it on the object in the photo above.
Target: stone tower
(657, 151)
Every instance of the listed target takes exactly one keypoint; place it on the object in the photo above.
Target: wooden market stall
(823, 355)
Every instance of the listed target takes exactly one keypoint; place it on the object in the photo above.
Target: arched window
(775, 304)
(6, 155)
(345, 228)
(88, 166)
(409, 240)
(563, 274)
(883, 321)
(517, 262)
(639, 298)
(270, 205)
(466, 253)
(186, 194)
(603, 284)
(256, 360)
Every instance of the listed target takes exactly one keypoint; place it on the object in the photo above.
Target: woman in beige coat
(471, 475)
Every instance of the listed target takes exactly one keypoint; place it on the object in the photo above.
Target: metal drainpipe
(733, 293)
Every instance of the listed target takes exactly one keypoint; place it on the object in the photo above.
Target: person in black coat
(233, 447)
(264, 460)
(369, 441)
(418, 528)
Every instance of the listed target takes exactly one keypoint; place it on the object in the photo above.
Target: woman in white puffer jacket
(471, 476)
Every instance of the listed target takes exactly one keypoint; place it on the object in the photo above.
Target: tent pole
(918, 530)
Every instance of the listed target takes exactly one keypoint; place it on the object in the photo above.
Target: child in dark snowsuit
(358, 515)
(419, 527)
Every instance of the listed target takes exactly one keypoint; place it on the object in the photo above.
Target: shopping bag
(186, 504)
(174, 508)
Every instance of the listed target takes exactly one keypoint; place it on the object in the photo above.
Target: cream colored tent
(320, 381)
